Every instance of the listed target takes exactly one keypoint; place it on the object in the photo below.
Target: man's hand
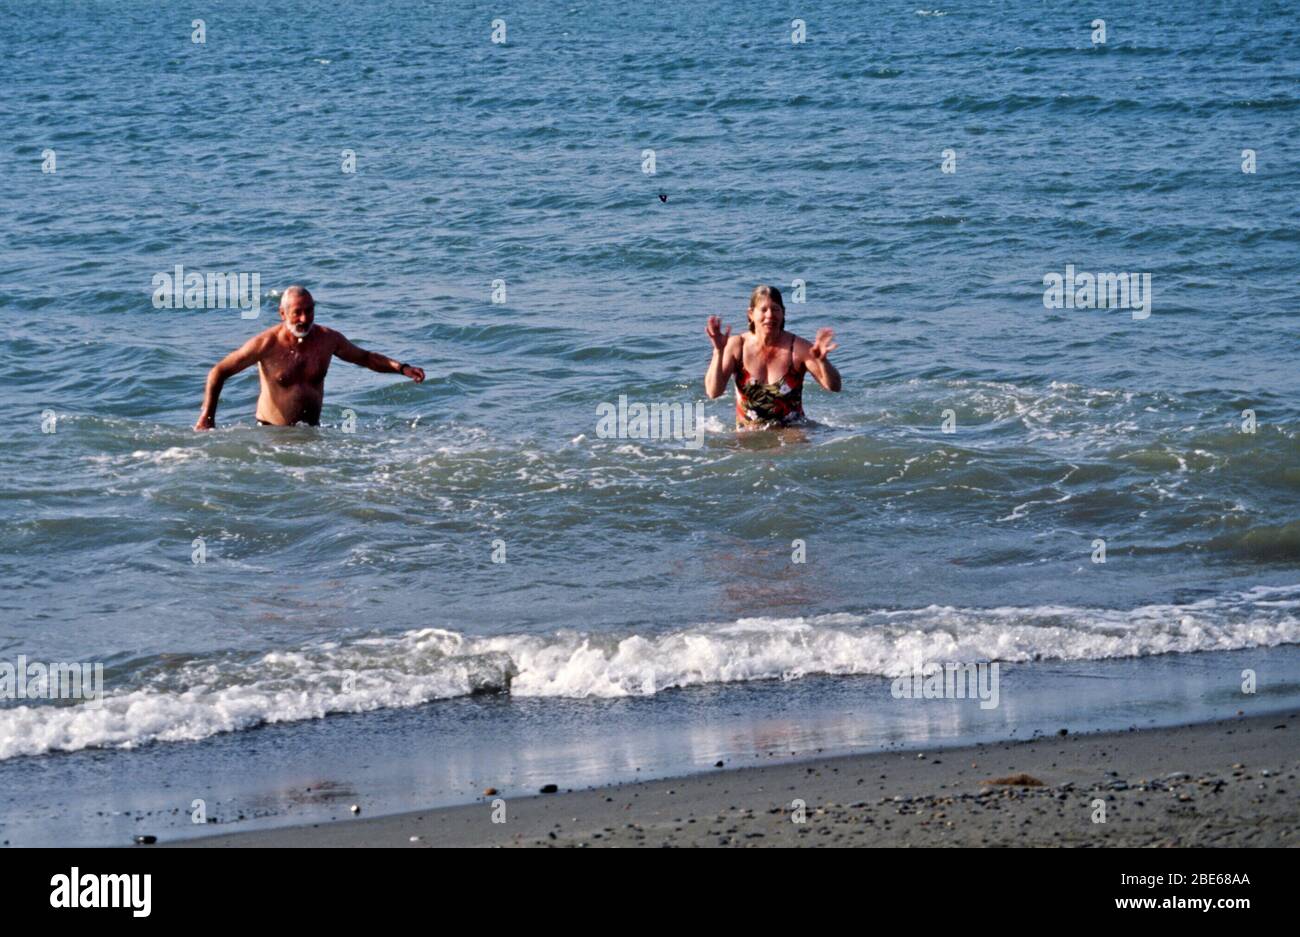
(414, 373)
(713, 329)
(823, 345)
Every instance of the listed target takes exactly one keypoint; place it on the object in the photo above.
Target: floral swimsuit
(761, 405)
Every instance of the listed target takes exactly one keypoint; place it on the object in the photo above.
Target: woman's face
(767, 315)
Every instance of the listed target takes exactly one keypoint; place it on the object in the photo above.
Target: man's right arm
(246, 356)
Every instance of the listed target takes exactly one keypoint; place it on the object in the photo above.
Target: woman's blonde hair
(763, 291)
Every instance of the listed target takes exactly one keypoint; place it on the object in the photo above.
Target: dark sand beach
(1225, 783)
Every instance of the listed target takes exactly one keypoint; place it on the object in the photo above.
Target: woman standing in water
(768, 363)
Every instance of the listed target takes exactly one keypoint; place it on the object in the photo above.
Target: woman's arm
(723, 362)
(819, 364)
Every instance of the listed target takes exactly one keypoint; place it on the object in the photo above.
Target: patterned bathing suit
(760, 405)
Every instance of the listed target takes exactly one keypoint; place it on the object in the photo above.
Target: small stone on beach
(1016, 780)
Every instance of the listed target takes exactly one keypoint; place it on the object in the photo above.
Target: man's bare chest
(287, 368)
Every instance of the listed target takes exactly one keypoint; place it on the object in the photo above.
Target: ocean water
(350, 568)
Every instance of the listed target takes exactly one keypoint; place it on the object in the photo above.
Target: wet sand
(1226, 783)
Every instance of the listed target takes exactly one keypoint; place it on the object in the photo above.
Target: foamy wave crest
(205, 697)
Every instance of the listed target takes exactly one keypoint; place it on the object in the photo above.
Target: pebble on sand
(489, 792)
(1016, 780)
(550, 789)
(355, 809)
(146, 839)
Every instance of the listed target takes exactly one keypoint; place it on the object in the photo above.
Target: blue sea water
(353, 571)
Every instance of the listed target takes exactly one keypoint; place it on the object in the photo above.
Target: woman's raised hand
(714, 330)
(824, 344)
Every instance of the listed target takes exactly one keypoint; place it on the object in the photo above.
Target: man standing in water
(292, 359)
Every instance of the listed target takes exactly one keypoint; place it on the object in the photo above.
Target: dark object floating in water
(663, 196)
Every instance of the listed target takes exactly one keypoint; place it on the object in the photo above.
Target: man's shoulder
(264, 338)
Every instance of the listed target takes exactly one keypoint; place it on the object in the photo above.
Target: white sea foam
(206, 697)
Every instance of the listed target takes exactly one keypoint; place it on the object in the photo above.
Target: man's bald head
(298, 310)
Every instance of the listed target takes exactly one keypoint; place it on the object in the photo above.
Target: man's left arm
(375, 362)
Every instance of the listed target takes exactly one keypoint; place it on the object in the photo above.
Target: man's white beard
(296, 334)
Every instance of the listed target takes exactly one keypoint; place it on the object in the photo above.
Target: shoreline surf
(447, 752)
